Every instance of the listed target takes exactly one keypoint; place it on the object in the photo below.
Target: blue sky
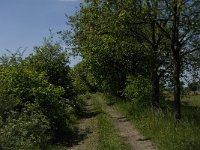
(24, 23)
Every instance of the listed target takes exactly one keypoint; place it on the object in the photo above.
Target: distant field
(193, 100)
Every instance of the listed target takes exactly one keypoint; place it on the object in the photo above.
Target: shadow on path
(84, 131)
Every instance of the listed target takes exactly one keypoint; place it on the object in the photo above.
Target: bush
(25, 130)
(33, 111)
(138, 91)
(52, 59)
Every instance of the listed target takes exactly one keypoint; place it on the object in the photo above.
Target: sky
(25, 23)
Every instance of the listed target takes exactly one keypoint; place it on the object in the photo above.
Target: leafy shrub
(138, 91)
(22, 90)
(52, 59)
(25, 130)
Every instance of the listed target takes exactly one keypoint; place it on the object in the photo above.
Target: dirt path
(128, 132)
(88, 134)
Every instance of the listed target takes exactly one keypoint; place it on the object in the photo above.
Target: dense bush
(52, 59)
(26, 130)
(138, 91)
(33, 111)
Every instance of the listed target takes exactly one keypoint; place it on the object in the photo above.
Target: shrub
(138, 91)
(25, 130)
(22, 90)
(52, 59)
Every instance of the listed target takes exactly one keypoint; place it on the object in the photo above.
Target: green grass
(107, 134)
(162, 128)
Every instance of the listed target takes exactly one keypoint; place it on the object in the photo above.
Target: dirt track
(125, 129)
(128, 132)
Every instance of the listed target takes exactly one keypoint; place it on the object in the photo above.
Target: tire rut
(87, 127)
(128, 131)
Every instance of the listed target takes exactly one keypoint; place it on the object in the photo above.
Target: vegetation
(193, 86)
(161, 127)
(138, 51)
(155, 39)
(34, 112)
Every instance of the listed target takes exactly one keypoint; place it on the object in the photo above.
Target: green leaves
(138, 91)
(36, 100)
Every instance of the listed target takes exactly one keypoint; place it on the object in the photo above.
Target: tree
(145, 29)
(83, 79)
(98, 40)
(121, 34)
(183, 32)
(29, 101)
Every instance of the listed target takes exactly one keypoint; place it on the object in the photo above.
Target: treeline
(38, 105)
(136, 48)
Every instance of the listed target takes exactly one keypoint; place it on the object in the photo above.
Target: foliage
(52, 59)
(142, 37)
(193, 86)
(33, 111)
(138, 91)
(25, 130)
(100, 38)
(83, 79)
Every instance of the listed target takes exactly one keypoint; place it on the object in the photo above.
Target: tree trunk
(155, 95)
(177, 88)
(176, 47)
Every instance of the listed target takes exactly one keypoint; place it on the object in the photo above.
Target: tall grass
(161, 127)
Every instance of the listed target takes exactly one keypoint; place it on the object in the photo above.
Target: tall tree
(121, 34)
(183, 32)
(147, 33)
(100, 37)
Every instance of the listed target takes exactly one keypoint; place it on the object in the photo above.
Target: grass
(193, 100)
(162, 128)
(107, 134)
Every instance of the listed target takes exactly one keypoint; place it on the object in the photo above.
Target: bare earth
(124, 127)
